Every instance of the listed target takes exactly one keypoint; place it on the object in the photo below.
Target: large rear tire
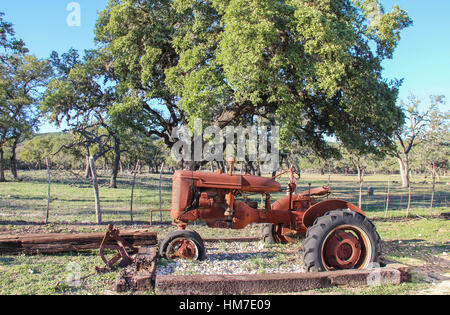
(341, 239)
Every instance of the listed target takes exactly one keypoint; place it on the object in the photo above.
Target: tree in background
(80, 97)
(410, 134)
(138, 149)
(22, 78)
(33, 152)
(361, 161)
(27, 77)
(8, 43)
(433, 152)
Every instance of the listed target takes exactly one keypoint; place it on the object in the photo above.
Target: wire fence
(72, 197)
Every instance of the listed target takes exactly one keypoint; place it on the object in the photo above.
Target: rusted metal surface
(221, 201)
(182, 248)
(113, 236)
(232, 239)
(342, 250)
(345, 247)
(213, 198)
(321, 208)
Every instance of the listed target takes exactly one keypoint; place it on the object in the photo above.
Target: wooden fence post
(387, 197)
(408, 210)
(47, 161)
(98, 211)
(160, 193)
(135, 171)
(433, 188)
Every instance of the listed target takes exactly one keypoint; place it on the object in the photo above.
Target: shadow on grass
(415, 248)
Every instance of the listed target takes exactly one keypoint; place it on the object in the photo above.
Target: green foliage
(8, 42)
(432, 153)
(34, 151)
(309, 65)
(149, 151)
(22, 78)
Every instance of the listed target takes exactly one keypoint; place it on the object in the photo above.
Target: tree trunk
(360, 181)
(2, 167)
(87, 173)
(404, 171)
(14, 160)
(133, 183)
(115, 169)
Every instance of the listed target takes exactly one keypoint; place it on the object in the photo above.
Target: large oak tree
(313, 66)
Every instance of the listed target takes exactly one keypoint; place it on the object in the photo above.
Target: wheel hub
(342, 250)
(182, 248)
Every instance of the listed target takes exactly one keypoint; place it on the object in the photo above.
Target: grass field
(421, 241)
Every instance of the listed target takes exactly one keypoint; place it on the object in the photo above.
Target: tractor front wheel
(341, 239)
(183, 244)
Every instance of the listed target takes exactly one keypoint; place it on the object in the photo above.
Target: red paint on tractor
(214, 198)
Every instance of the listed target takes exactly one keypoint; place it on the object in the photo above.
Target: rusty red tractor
(337, 234)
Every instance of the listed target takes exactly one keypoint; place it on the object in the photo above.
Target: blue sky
(422, 58)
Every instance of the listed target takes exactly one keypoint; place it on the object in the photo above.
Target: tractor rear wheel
(183, 244)
(341, 239)
(276, 234)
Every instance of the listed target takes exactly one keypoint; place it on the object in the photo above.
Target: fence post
(387, 197)
(160, 193)
(433, 188)
(133, 182)
(409, 198)
(98, 211)
(47, 161)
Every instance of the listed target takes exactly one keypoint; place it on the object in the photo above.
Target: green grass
(39, 275)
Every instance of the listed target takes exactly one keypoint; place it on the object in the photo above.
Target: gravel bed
(237, 258)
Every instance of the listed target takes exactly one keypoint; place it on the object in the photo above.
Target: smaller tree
(34, 151)
(410, 134)
(22, 78)
(433, 154)
(78, 98)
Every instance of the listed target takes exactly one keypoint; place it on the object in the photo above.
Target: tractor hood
(247, 183)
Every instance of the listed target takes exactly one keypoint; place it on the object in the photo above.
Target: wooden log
(65, 242)
(142, 274)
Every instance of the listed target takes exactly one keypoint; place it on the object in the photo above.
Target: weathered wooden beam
(141, 275)
(65, 242)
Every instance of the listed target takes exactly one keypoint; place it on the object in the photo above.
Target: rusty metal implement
(113, 235)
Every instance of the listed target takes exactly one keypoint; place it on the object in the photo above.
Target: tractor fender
(323, 207)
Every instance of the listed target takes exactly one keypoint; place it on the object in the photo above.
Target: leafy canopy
(313, 66)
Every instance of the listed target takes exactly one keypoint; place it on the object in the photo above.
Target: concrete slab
(274, 283)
